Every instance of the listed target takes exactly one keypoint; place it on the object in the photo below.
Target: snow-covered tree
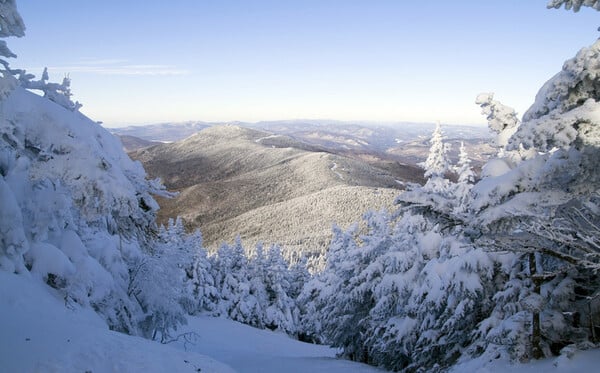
(201, 290)
(543, 207)
(502, 120)
(439, 196)
(574, 4)
(162, 282)
(465, 180)
(463, 168)
(436, 165)
(11, 24)
(405, 295)
(280, 311)
(77, 213)
(59, 93)
(330, 313)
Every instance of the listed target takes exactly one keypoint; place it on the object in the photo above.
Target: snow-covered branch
(575, 5)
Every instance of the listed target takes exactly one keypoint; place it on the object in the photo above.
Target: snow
(580, 361)
(248, 349)
(43, 333)
(40, 333)
(334, 168)
(47, 258)
(77, 216)
(266, 138)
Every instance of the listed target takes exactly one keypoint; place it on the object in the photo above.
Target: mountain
(371, 136)
(383, 145)
(266, 187)
(162, 132)
(131, 143)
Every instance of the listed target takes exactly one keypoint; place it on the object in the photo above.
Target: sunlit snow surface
(38, 333)
(248, 349)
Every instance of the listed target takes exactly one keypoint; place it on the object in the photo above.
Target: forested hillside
(264, 187)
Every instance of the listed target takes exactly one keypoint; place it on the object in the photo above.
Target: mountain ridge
(228, 177)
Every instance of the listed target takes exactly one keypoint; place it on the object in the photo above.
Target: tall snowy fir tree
(463, 168)
(436, 165)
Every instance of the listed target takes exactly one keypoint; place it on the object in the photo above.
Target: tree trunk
(536, 333)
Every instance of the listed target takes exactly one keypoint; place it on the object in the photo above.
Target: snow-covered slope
(39, 333)
(42, 334)
(76, 212)
(248, 349)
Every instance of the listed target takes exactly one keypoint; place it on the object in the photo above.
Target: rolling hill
(266, 187)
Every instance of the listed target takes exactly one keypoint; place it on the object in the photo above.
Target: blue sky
(134, 62)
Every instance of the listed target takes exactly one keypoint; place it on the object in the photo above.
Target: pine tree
(463, 168)
(436, 165)
(204, 294)
(11, 24)
(280, 312)
(536, 207)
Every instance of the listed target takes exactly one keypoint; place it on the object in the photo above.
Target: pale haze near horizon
(157, 61)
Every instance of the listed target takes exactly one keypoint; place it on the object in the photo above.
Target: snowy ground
(247, 349)
(582, 362)
(39, 334)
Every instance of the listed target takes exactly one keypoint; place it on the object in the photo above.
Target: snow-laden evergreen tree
(463, 168)
(405, 295)
(329, 313)
(231, 279)
(465, 180)
(254, 288)
(163, 281)
(502, 119)
(11, 24)
(280, 312)
(59, 93)
(574, 4)
(77, 213)
(436, 165)
(202, 287)
(438, 197)
(542, 206)
(299, 276)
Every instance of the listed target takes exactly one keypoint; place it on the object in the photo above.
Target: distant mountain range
(162, 132)
(402, 142)
(371, 135)
(284, 182)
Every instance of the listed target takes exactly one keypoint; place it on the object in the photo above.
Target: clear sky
(134, 62)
